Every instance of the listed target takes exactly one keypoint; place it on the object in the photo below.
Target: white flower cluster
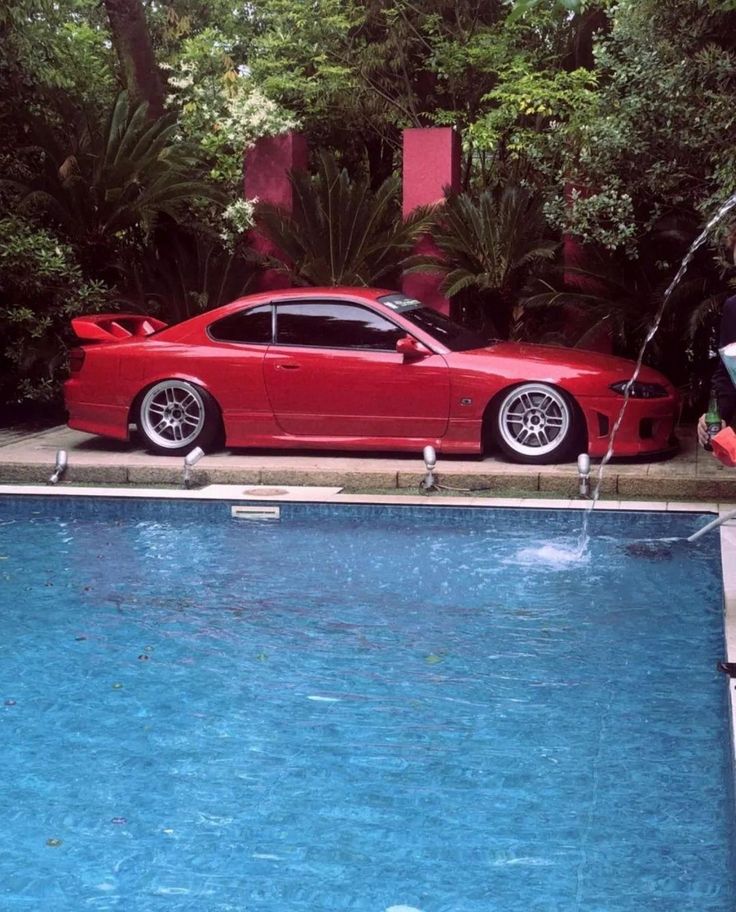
(222, 111)
(251, 115)
(225, 112)
(237, 218)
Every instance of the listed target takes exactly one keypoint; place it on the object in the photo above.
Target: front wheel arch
(576, 440)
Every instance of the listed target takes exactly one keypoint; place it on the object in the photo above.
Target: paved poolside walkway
(28, 458)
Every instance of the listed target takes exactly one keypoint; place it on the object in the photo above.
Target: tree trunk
(380, 159)
(132, 42)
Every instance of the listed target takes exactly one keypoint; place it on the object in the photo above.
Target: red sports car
(354, 369)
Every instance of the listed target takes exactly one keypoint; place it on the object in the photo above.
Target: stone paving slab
(28, 458)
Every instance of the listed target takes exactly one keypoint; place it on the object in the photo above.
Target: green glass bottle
(712, 420)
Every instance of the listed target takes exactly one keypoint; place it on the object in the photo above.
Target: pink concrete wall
(267, 166)
(431, 163)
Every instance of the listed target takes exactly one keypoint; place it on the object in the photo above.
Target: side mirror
(411, 349)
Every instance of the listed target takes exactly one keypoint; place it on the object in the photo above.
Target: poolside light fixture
(584, 473)
(430, 461)
(190, 460)
(62, 461)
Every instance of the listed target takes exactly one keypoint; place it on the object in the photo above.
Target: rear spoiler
(114, 327)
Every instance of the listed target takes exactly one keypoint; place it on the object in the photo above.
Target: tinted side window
(253, 325)
(453, 335)
(334, 324)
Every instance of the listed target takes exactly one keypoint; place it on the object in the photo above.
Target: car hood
(556, 363)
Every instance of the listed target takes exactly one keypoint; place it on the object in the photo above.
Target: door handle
(288, 366)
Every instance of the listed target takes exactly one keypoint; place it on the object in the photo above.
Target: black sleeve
(728, 322)
(725, 391)
(722, 385)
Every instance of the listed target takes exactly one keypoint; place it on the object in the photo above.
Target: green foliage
(181, 273)
(606, 217)
(298, 53)
(530, 107)
(222, 110)
(491, 246)
(341, 232)
(98, 185)
(41, 288)
(356, 73)
(523, 8)
(57, 46)
(659, 139)
(105, 189)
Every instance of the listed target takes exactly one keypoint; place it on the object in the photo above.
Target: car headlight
(635, 389)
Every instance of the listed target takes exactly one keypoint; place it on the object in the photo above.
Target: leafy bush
(41, 289)
(103, 184)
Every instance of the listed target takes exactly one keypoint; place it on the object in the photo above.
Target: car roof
(326, 291)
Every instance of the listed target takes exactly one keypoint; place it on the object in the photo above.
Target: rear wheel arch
(202, 425)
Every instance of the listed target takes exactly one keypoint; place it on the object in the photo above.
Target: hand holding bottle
(709, 424)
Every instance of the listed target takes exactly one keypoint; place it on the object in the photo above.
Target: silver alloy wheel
(534, 419)
(173, 414)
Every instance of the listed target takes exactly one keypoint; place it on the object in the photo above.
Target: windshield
(440, 327)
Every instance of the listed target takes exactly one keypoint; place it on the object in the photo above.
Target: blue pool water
(358, 709)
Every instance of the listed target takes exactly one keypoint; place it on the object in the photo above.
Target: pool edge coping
(312, 493)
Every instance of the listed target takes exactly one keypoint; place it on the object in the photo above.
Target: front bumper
(646, 427)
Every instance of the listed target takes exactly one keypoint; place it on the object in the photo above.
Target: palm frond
(493, 242)
(126, 174)
(341, 232)
(184, 273)
(458, 280)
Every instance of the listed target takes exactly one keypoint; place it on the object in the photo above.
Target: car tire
(537, 424)
(175, 416)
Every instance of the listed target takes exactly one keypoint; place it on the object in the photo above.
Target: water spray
(694, 247)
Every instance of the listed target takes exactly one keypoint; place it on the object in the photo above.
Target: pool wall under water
(360, 708)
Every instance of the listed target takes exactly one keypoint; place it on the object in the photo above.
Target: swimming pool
(358, 709)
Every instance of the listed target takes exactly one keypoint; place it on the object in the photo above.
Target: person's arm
(721, 383)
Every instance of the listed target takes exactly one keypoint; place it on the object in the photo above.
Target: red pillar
(267, 167)
(431, 163)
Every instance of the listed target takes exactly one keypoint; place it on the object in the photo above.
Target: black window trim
(337, 299)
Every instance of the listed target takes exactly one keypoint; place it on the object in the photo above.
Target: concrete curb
(28, 459)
